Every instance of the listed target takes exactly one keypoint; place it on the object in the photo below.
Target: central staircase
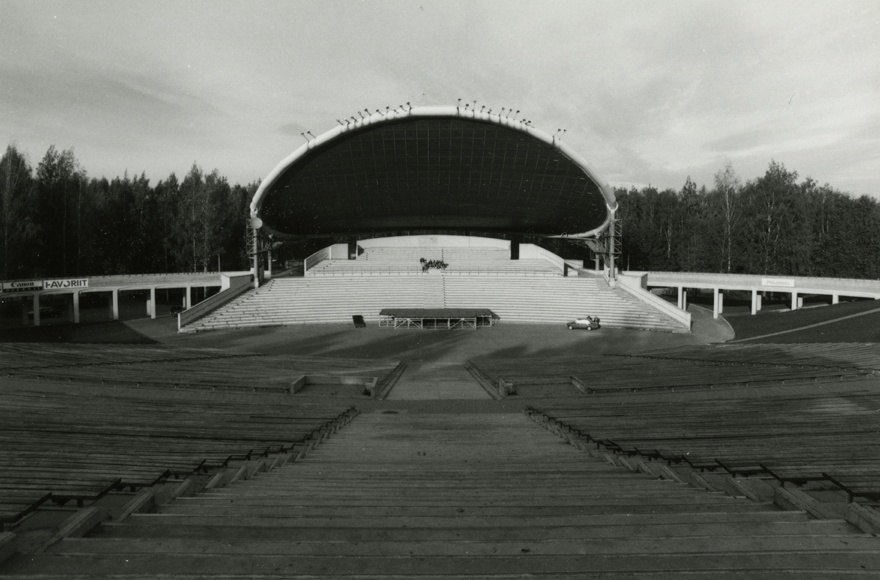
(407, 494)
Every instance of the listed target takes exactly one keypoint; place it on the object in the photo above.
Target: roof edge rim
(436, 111)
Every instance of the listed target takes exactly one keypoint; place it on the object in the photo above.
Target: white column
(760, 301)
(684, 299)
(256, 260)
(715, 303)
(794, 300)
(720, 302)
(189, 297)
(680, 296)
(269, 264)
(835, 298)
(76, 307)
(754, 302)
(36, 304)
(611, 236)
(114, 305)
(153, 302)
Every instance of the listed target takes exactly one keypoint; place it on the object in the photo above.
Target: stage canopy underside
(432, 173)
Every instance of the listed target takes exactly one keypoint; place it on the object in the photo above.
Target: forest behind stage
(57, 221)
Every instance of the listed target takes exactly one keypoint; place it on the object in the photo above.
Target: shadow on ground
(373, 342)
(97, 333)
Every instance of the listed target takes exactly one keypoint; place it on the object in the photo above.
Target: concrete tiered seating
(320, 299)
(366, 268)
(407, 254)
(552, 300)
(525, 267)
(401, 254)
(383, 261)
(531, 290)
(530, 299)
(472, 496)
(455, 254)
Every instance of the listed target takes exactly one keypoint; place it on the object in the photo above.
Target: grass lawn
(862, 329)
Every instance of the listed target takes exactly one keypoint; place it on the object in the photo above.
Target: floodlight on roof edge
(523, 125)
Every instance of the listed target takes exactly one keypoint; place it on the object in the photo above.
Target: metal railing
(239, 286)
(632, 286)
(315, 259)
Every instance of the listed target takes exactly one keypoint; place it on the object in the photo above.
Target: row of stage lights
(400, 109)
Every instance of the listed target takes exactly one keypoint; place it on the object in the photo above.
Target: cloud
(649, 91)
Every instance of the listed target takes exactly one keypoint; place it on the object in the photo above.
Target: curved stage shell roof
(433, 168)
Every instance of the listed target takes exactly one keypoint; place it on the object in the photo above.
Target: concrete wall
(435, 241)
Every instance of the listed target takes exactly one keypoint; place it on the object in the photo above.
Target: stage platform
(437, 318)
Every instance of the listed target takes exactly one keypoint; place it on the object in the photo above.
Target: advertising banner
(66, 283)
(778, 282)
(22, 286)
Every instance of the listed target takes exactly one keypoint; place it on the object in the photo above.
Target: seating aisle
(433, 381)
(459, 495)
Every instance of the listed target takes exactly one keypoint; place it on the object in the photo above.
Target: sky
(650, 92)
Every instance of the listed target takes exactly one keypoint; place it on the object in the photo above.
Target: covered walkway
(796, 286)
(32, 302)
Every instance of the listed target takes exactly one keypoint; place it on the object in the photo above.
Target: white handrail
(632, 285)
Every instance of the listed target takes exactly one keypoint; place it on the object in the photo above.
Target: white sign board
(778, 282)
(22, 286)
(67, 283)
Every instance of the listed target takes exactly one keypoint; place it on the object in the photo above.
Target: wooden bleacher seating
(797, 420)
(77, 421)
(476, 496)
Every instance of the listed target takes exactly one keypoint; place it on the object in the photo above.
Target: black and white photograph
(439, 289)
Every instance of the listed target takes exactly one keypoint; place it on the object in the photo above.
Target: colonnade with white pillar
(31, 314)
(796, 301)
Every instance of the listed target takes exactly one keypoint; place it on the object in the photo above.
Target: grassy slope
(862, 329)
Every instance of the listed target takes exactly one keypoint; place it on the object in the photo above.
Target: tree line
(59, 222)
(773, 225)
